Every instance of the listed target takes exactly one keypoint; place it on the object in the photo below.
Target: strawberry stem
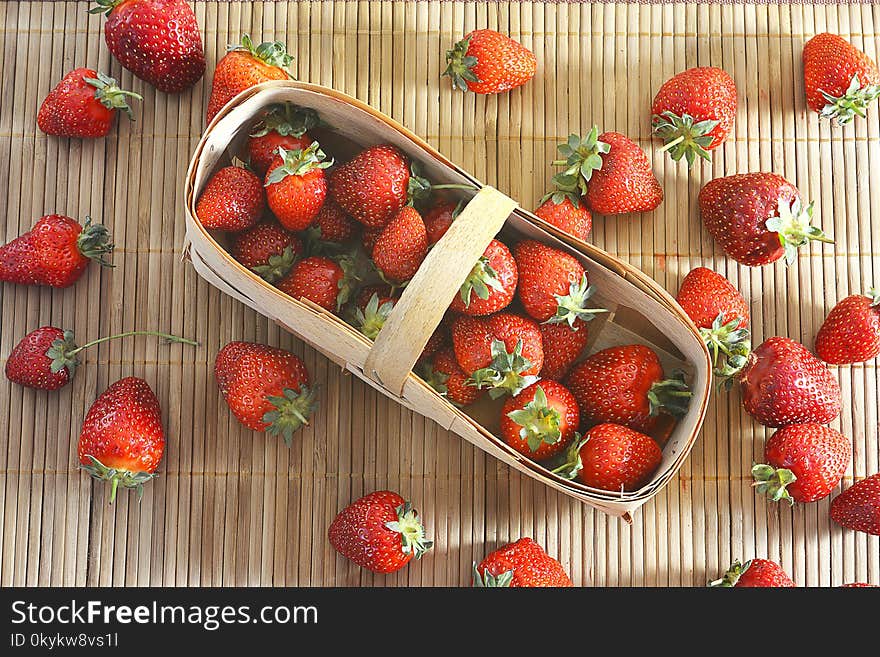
(273, 53)
(683, 136)
(412, 532)
(488, 580)
(118, 477)
(94, 242)
(167, 336)
(538, 421)
(292, 411)
(298, 162)
(111, 95)
(772, 482)
(460, 65)
(792, 223)
(854, 102)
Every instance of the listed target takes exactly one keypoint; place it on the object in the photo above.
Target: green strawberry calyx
(419, 188)
(372, 318)
(110, 95)
(460, 65)
(487, 580)
(538, 421)
(573, 306)
(355, 267)
(118, 477)
(298, 162)
(105, 6)
(273, 53)
(731, 577)
(583, 155)
(874, 295)
(854, 102)
(792, 223)
(292, 410)
(772, 482)
(565, 188)
(504, 375)
(277, 267)
(683, 136)
(412, 532)
(480, 279)
(671, 395)
(436, 379)
(287, 120)
(729, 341)
(94, 242)
(570, 464)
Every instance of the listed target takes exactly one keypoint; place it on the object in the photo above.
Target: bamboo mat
(232, 507)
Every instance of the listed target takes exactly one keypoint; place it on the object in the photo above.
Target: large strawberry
(320, 280)
(804, 462)
(490, 285)
(56, 252)
(401, 246)
(851, 332)
(694, 111)
(267, 389)
(858, 507)
(122, 439)
(296, 186)
(380, 532)
(157, 40)
(562, 344)
(624, 182)
(488, 62)
(331, 226)
(267, 249)
(520, 564)
(446, 377)
(541, 420)
(83, 104)
(233, 200)
(567, 213)
(373, 186)
(757, 218)
(839, 79)
(284, 126)
(757, 573)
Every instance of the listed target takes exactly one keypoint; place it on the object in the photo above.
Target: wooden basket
(641, 311)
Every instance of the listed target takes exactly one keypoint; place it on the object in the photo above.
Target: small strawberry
(380, 532)
(562, 346)
(233, 200)
(490, 285)
(373, 186)
(756, 573)
(625, 182)
(568, 214)
(839, 79)
(520, 564)
(694, 111)
(370, 318)
(267, 249)
(320, 280)
(284, 126)
(157, 40)
(331, 225)
(851, 332)
(55, 252)
(401, 246)
(541, 420)
(488, 62)
(83, 104)
(858, 507)
(296, 186)
(757, 218)
(122, 439)
(438, 220)
(267, 389)
(804, 463)
(446, 377)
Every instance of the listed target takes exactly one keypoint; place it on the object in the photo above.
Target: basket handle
(428, 295)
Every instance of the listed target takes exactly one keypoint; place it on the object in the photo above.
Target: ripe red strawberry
(562, 346)
(371, 317)
(267, 249)
(851, 332)
(625, 385)
(858, 507)
(47, 358)
(521, 564)
(624, 182)
(693, 112)
(233, 199)
(402, 246)
(757, 217)
(446, 377)
(245, 66)
(754, 574)
(296, 186)
(373, 186)
(804, 463)
(267, 389)
(330, 225)
(438, 220)
(320, 280)
(491, 284)
(568, 214)
(488, 62)
(541, 420)
(784, 383)
(380, 532)
(83, 104)
(122, 439)
(284, 126)
(839, 79)
(56, 252)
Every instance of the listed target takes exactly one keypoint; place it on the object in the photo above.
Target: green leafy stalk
(854, 102)
(411, 530)
(539, 422)
(487, 580)
(683, 136)
(573, 306)
(504, 376)
(273, 53)
(117, 478)
(772, 482)
(729, 343)
(460, 65)
(298, 162)
(792, 223)
(582, 156)
(292, 410)
(94, 242)
(670, 395)
(110, 95)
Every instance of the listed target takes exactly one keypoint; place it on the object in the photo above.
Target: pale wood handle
(428, 295)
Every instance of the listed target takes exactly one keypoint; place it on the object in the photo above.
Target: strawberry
(370, 318)
(490, 285)
(625, 181)
(331, 225)
(446, 377)
(402, 246)
(122, 439)
(438, 220)
(625, 385)
(858, 507)
(851, 332)
(753, 574)
(55, 252)
(757, 217)
(296, 186)
(839, 79)
(582, 157)
(267, 249)
(245, 66)
(521, 564)
(541, 420)
(373, 186)
(47, 358)
(858, 585)
(383, 293)
(83, 104)
(804, 463)
(488, 62)
(368, 239)
(440, 339)
(233, 199)
(320, 280)
(568, 214)
(284, 126)
(562, 346)
(267, 389)
(693, 112)
(501, 352)
(157, 40)
(380, 532)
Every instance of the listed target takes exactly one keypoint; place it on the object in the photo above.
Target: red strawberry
(757, 217)
(851, 332)
(122, 439)
(693, 112)
(568, 214)
(446, 377)
(804, 463)
(541, 420)
(491, 284)
(858, 585)
(267, 249)
(267, 389)
(370, 318)
(754, 574)
(368, 239)
(373, 186)
(83, 104)
(402, 246)
(522, 564)
(246, 66)
(330, 225)
(320, 280)
(440, 339)
(858, 507)
(562, 346)
(157, 40)
(488, 62)
(284, 126)
(438, 220)
(233, 199)
(296, 186)
(839, 79)
(625, 181)
(56, 252)
(625, 385)
(380, 532)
